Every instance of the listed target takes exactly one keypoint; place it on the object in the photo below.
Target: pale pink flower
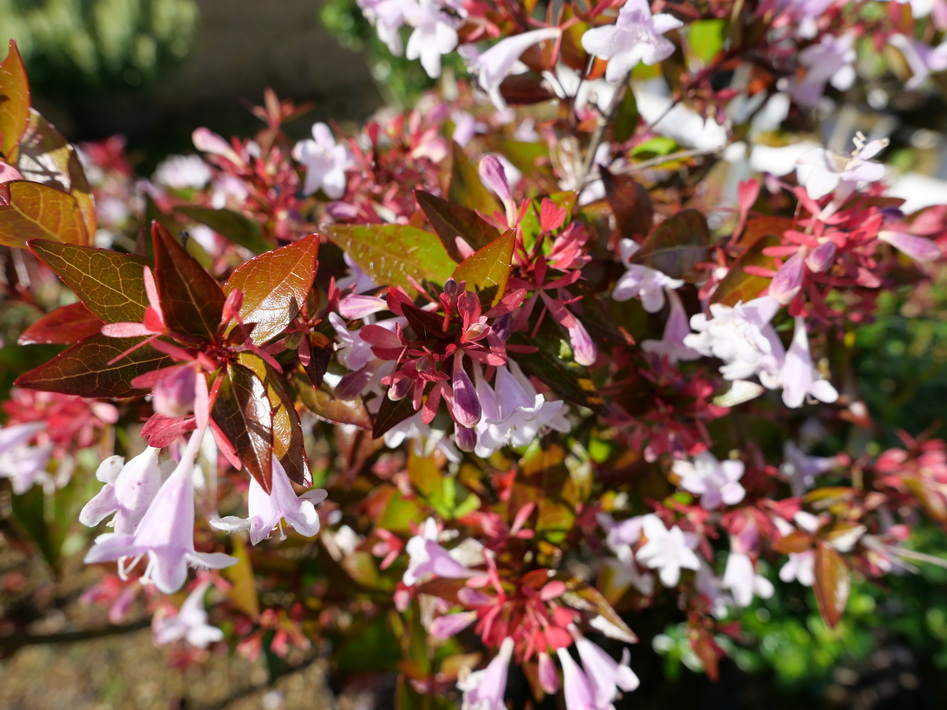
(647, 284)
(676, 330)
(494, 65)
(607, 675)
(800, 567)
(741, 336)
(716, 482)
(128, 491)
(268, 510)
(798, 376)
(435, 32)
(635, 37)
(388, 17)
(428, 557)
(921, 58)
(800, 470)
(743, 582)
(788, 280)
(325, 162)
(578, 690)
(823, 171)
(668, 551)
(165, 534)
(918, 248)
(831, 61)
(183, 172)
(190, 623)
(24, 465)
(484, 689)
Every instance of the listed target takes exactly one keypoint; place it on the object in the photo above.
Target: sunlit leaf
(287, 433)
(603, 617)
(191, 299)
(65, 325)
(275, 285)
(832, 583)
(738, 285)
(321, 402)
(48, 158)
(543, 479)
(109, 283)
(84, 368)
(451, 221)
(36, 211)
(676, 245)
(242, 593)
(243, 413)
(390, 253)
(488, 270)
(14, 102)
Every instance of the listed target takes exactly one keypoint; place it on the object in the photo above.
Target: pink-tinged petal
(664, 23)
(484, 689)
(601, 41)
(209, 142)
(578, 690)
(548, 676)
(448, 626)
(493, 175)
(918, 248)
(583, 347)
(466, 407)
(496, 63)
(8, 173)
(822, 257)
(788, 280)
(126, 330)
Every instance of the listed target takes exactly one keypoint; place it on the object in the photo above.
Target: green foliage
(74, 44)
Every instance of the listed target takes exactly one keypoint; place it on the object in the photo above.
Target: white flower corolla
(325, 162)
(716, 482)
(669, 551)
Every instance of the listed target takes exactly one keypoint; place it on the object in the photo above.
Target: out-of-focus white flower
(669, 551)
(822, 171)
(325, 162)
(642, 282)
(716, 482)
(190, 623)
(182, 172)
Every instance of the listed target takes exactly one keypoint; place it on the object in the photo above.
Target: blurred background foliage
(72, 46)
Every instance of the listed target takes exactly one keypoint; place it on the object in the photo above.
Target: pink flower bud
(466, 409)
(822, 257)
(466, 438)
(493, 176)
(548, 677)
(174, 395)
(918, 248)
(788, 280)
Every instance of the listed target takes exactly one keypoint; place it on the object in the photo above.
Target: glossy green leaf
(390, 253)
(450, 221)
(738, 285)
(243, 413)
(65, 325)
(287, 433)
(109, 283)
(275, 285)
(626, 118)
(234, 226)
(676, 245)
(832, 583)
(191, 299)
(46, 157)
(35, 211)
(487, 271)
(630, 203)
(329, 408)
(84, 369)
(465, 186)
(14, 102)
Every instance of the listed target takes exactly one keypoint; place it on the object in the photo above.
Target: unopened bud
(465, 437)
(475, 332)
(822, 257)
(788, 280)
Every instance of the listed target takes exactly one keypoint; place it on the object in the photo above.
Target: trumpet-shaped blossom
(741, 336)
(388, 16)
(484, 689)
(494, 65)
(800, 470)
(128, 491)
(325, 162)
(190, 623)
(823, 171)
(669, 551)
(798, 376)
(831, 61)
(607, 675)
(716, 482)
(513, 412)
(24, 465)
(671, 345)
(918, 248)
(428, 557)
(743, 581)
(268, 510)
(577, 688)
(642, 282)
(165, 534)
(635, 37)
(435, 25)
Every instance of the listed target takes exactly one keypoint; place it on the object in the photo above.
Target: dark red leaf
(111, 284)
(630, 203)
(65, 325)
(83, 369)
(274, 286)
(676, 245)
(451, 221)
(162, 431)
(321, 402)
(191, 299)
(287, 433)
(390, 414)
(243, 413)
(487, 271)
